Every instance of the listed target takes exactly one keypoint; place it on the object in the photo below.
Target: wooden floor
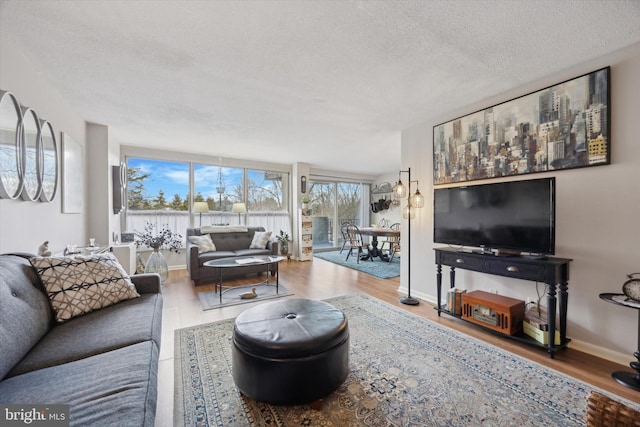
(321, 279)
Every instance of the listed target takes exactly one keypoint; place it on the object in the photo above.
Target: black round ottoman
(291, 351)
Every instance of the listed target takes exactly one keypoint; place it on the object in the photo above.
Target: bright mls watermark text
(34, 415)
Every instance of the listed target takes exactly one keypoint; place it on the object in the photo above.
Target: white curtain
(178, 221)
(271, 221)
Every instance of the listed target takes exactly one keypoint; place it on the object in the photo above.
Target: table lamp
(239, 208)
(200, 207)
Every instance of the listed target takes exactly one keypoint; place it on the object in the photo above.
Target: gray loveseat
(228, 244)
(103, 364)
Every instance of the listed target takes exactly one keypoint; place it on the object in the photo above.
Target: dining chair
(387, 240)
(355, 241)
(393, 241)
(345, 235)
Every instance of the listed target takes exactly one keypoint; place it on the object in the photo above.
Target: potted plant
(284, 240)
(305, 202)
(165, 239)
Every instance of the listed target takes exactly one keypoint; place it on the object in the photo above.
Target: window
(266, 191)
(220, 187)
(157, 192)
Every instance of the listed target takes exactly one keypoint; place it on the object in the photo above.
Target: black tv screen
(514, 215)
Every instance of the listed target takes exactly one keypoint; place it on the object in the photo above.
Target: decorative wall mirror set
(28, 153)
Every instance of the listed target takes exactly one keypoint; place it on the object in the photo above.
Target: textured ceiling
(330, 83)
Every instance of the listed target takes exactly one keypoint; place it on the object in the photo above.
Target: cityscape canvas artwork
(560, 127)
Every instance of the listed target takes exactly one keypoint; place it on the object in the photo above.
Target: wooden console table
(554, 272)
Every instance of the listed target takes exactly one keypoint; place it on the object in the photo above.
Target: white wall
(25, 225)
(101, 145)
(598, 217)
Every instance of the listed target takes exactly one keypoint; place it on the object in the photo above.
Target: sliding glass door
(332, 204)
(323, 202)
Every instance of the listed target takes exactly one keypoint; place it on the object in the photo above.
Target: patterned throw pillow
(260, 240)
(79, 284)
(203, 243)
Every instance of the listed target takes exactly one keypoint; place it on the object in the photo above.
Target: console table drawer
(467, 262)
(516, 269)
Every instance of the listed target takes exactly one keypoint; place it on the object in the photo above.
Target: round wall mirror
(32, 178)
(10, 146)
(49, 162)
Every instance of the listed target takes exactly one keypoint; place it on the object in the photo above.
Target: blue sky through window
(173, 177)
(206, 180)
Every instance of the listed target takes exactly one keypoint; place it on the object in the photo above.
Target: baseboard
(585, 347)
(425, 297)
(601, 352)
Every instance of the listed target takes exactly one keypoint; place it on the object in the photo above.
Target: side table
(629, 379)
(126, 254)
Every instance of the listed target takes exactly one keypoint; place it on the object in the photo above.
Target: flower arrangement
(165, 239)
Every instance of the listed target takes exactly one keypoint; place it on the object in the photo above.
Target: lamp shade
(239, 208)
(408, 212)
(399, 190)
(417, 200)
(200, 207)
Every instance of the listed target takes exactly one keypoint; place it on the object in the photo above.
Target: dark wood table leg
(439, 287)
(452, 277)
(375, 252)
(551, 317)
(380, 254)
(563, 302)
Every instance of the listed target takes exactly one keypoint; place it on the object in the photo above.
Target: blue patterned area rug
(405, 371)
(377, 267)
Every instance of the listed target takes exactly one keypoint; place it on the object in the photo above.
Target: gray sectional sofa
(103, 364)
(228, 244)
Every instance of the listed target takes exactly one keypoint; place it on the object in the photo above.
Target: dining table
(376, 232)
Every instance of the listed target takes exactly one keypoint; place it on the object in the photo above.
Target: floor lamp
(200, 207)
(414, 201)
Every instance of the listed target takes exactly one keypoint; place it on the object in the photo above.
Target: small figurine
(249, 295)
(139, 264)
(43, 249)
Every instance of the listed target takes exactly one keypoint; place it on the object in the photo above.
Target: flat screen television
(515, 216)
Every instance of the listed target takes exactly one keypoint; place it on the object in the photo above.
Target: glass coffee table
(269, 262)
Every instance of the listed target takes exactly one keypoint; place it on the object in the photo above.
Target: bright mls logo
(34, 415)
